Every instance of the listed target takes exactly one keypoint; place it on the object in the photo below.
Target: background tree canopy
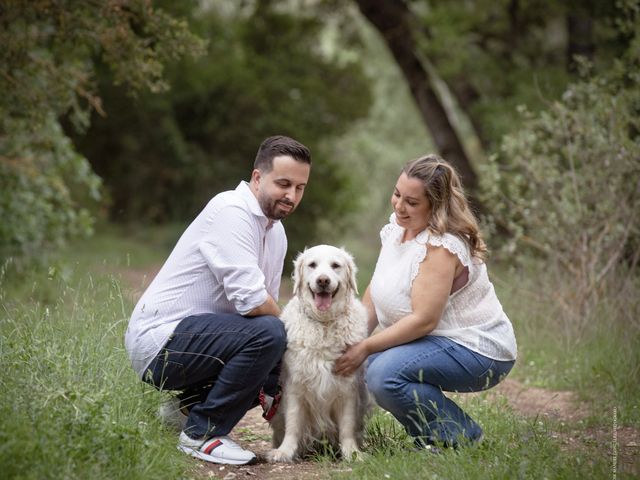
(470, 64)
(103, 70)
(163, 104)
(162, 157)
(47, 71)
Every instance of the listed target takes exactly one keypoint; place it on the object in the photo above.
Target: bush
(567, 185)
(47, 189)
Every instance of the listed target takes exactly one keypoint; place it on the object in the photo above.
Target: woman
(442, 327)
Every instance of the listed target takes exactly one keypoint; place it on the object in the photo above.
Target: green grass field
(71, 406)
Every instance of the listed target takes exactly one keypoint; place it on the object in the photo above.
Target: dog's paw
(350, 451)
(352, 454)
(279, 456)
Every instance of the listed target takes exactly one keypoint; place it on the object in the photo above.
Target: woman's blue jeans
(220, 362)
(408, 381)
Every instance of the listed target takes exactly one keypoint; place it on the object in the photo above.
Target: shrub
(47, 189)
(567, 185)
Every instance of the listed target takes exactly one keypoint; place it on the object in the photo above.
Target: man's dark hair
(279, 145)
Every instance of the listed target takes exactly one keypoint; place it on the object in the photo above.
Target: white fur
(316, 403)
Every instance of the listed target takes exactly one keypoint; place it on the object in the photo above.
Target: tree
(394, 21)
(262, 74)
(47, 70)
(491, 56)
(566, 186)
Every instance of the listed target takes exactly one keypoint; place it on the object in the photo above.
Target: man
(207, 325)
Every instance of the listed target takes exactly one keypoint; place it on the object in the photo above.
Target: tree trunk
(393, 20)
(466, 95)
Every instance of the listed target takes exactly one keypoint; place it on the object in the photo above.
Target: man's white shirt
(227, 261)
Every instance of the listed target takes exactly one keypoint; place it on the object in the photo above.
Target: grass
(514, 447)
(601, 362)
(71, 406)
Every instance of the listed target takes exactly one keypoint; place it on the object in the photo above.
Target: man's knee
(273, 330)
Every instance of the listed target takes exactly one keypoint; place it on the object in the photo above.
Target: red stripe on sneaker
(209, 448)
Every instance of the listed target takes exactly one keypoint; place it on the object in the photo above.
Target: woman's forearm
(404, 331)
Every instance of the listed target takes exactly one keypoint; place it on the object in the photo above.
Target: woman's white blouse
(473, 315)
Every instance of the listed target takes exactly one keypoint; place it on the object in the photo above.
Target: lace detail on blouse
(419, 255)
(454, 244)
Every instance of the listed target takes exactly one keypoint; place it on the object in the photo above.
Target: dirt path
(254, 434)
(565, 408)
(562, 406)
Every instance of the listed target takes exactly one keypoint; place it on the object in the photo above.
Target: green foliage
(163, 156)
(601, 363)
(384, 434)
(71, 405)
(47, 70)
(568, 183)
(49, 48)
(496, 55)
(513, 447)
(46, 189)
(375, 148)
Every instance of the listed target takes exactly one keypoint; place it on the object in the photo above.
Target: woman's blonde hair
(450, 212)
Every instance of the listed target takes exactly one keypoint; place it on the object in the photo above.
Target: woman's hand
(351, 359)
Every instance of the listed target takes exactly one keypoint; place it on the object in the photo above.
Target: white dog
(322, 318)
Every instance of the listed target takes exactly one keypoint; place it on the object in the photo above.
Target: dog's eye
(335, 265)
(313, 265)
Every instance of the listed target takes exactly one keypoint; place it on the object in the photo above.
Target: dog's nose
(323, 281)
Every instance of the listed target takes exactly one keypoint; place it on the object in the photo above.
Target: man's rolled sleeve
(233, 259)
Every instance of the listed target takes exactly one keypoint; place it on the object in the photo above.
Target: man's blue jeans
(220, 362)
(408, 381)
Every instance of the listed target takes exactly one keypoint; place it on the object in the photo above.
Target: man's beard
(271, 209)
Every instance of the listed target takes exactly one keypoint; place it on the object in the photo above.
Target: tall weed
(599, 358)
(71, 406)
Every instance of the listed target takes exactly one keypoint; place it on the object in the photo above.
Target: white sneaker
(216, 450)
(171, 415)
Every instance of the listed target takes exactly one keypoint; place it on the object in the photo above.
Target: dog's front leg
(347, 428)
(293, 422)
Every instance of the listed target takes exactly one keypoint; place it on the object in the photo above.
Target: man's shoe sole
(211, 459)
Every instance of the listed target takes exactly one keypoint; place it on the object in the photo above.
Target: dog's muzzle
(323, 298)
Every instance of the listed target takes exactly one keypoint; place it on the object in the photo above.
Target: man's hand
(269, 307)
(351, 359)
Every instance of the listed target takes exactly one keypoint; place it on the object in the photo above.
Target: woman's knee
(377, 380)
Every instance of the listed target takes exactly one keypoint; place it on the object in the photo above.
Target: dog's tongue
(323, 301)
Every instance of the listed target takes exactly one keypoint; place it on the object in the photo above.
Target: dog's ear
(296, 275)
(351, 271)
